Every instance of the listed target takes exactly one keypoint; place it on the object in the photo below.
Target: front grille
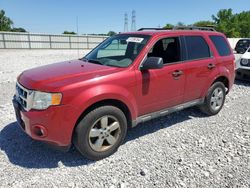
(23, 96)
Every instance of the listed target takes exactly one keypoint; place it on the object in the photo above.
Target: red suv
(128, 79)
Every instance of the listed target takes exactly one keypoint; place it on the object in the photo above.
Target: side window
(197, 48)
(221, 45)
(168, 49)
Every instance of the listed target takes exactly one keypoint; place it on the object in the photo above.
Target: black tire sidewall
(81, 139)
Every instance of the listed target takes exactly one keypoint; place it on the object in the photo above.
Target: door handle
(177, 73)
(211, 66)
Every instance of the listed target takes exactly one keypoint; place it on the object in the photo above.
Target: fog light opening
(39, 131)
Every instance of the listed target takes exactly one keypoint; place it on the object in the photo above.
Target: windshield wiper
(91, 60)
(95, 61)
(84, 59)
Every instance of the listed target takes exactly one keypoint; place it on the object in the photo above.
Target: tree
(243, 24)
(232, 25)
(5, 22)
(111, 33)
(168, 26)
(69, 33)
(180, 24)
(204, 24)
(19, 29)
(227, 23)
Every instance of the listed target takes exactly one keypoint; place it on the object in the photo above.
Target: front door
(162, 88)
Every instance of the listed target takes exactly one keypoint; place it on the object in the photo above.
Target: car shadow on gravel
(21, 150)
(163, 122)
(242, 82)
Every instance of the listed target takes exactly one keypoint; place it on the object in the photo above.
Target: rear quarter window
(221, 45)
(197, 48)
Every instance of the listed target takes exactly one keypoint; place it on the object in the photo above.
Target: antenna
(133, 25)
(125, 22)
(77, 37)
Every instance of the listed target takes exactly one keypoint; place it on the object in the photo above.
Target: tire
(100, 132)
(214, 99)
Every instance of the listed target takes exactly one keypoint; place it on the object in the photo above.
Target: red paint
(142, 92)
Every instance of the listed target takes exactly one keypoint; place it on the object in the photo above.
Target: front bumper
(240, 50)
(53, 125)
(243, 74)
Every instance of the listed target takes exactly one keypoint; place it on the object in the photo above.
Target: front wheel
(100, 132)
(214, 99)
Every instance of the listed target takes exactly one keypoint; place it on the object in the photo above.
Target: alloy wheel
(104, 133)
(217, 98)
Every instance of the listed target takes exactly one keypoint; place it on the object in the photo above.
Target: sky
(99, 16)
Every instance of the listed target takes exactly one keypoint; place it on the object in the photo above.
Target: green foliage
(227, 23)
(244, 24)
(5, 22)
(168, 26)
(111, 33)
(232, 25)
(19, 29)
(69, 33)
(180, 24)
(204, 24)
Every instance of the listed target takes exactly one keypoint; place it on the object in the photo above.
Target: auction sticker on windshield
(135, 39)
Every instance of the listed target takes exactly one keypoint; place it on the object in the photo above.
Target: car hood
(246, 55)
(56, 75)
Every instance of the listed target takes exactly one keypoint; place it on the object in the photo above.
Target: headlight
(42, 100)
(244, 61)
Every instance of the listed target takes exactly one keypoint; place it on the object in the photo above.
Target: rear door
(200, 64)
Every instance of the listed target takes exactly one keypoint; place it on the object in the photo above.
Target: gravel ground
(183, 149)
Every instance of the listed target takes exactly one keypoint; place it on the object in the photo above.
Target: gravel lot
(184, 149)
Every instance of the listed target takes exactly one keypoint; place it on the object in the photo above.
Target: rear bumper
(53, 126)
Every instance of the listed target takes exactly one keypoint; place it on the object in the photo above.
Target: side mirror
(152, 63)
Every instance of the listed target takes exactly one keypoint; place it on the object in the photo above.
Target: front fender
(95, 94)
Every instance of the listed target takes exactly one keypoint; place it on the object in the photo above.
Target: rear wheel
(100, 132)
(214, 99)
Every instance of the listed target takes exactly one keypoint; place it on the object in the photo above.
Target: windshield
(118, 51)
(243, 43)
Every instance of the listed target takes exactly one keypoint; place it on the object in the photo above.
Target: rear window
(221, 45)
(197, 48)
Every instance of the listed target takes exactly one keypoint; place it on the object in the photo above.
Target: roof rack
(208, 28)
(150, 28)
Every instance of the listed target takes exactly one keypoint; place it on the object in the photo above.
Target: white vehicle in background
(243, 71)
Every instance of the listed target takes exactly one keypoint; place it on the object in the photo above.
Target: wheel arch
(218, 78)
(111, 102)
(224, 80)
